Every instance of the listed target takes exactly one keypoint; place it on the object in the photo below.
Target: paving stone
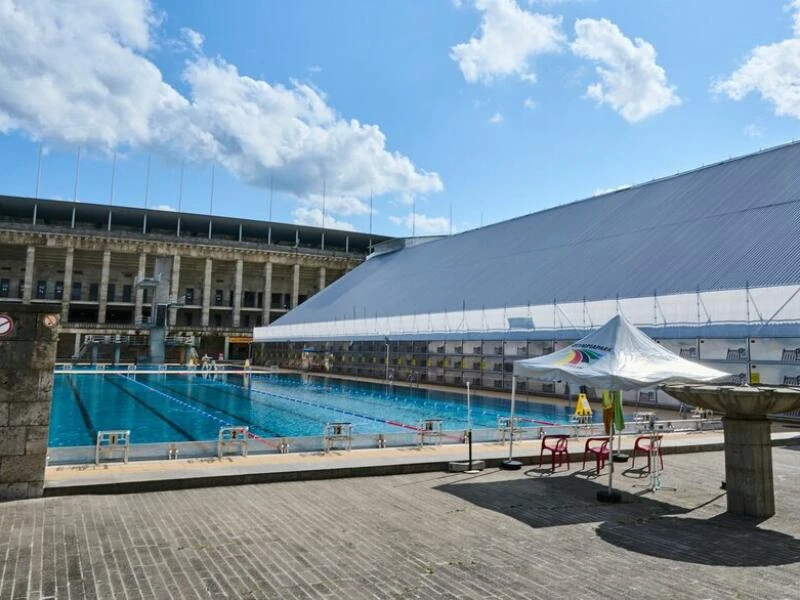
(495, 535)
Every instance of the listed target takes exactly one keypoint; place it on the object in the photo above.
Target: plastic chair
(598, 447)
(643, 446)
(557, 445)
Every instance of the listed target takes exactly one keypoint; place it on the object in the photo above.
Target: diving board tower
(159, 284)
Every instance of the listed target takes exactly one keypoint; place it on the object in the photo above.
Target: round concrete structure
(748, 447)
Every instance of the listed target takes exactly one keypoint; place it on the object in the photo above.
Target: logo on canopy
(576, 357)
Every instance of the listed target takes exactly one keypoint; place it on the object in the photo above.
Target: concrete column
(101, 312)
(295, 285)
(140, 274)
(226, 348)
(67, 284)
(27, 288)
(77, 347)
(206, 293)
(321, 278)
(237, 293)
(267, 293)
(748, 466)
(27, 360)
(174, 289)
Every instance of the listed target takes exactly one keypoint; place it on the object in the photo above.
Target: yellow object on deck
(582, 408)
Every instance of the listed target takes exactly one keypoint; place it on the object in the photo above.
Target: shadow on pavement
(723, 540)
(639, 524)
(558, 500)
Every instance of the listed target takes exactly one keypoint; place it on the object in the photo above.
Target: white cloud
(753, 130)
(509, 38)
(315, 69)
(82, 77)
(529, 103)
(291, 134)
(341, 205)
(422, 224)
(496, 119)
(165, 207)
(457, 3)
(795, 6)
(771, 71)
(313, 216)
(601, 191)
(631, 81)
(194, 38)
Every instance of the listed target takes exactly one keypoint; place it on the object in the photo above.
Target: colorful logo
(576, 357)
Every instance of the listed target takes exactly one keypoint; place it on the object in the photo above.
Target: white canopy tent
(615, 357)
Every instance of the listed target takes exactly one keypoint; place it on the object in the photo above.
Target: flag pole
(511, 464)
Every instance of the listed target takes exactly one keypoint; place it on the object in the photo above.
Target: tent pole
(610, 495)
(611, 458)
(511, 464)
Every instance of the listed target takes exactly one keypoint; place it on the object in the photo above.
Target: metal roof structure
(729, 226)
(191, 226)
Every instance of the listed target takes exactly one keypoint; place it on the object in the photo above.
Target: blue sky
(493, 108)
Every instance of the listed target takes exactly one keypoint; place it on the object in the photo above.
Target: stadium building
(227, 275)
(707, 262)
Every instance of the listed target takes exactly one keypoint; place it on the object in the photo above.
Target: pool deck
(496, 535)
(139, 476)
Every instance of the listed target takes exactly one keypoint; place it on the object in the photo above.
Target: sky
(398, 117)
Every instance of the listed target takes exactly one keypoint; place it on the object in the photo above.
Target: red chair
(598, 447)
(557, 445)
(643, 446)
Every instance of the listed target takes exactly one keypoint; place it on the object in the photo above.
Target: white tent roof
(616, 357)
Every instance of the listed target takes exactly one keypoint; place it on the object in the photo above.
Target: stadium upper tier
(716, 246)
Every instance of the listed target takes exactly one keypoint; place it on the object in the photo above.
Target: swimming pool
(165, 407)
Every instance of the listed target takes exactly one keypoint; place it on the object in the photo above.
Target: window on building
(246, 321)
(127, 293)
(217, 320)
(218, 298)
(58, 293)
(5, 285)
(112, 292)
(41, 289)
(260, 301)
(258, 321)
(75, 294)
(189, 296)
(21, 288)
(144, 295)
(94, 292)
(249, 299)
(230, 298)
(187, 318)
(277, 301)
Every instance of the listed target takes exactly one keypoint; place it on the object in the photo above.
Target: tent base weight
(609, 497)
(620, 457)
(511, 465)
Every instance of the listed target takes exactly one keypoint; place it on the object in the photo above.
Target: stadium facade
(707, 262)
(228, 275)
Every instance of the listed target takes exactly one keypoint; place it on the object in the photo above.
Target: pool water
(168, 407)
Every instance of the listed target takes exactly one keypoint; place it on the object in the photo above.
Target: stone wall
(27, 359)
